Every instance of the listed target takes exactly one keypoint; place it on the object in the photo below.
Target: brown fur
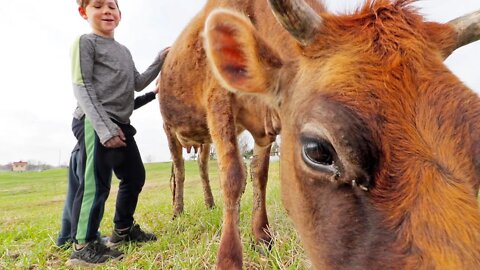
(197, 111)
(371, 86)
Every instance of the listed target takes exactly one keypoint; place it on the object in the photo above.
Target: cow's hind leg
(259, 174)
(178, 171)
(221, 123)
(204, 156)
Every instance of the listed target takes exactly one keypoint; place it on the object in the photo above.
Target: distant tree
(275, 150)
(245, 145)
(63, 165)
(6, 167)
(193, 156)
(36, 165)
(213, 153)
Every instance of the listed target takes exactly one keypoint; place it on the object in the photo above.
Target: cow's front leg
(259, 173)
(221, 123)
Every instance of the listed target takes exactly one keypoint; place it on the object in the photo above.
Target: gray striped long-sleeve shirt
(104, 81)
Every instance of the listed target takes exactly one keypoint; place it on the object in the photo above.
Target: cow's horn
(467, 28)
(298, 18)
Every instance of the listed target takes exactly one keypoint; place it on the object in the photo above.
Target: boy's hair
(84, 3)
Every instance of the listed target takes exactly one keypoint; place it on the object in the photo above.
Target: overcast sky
(36, 97)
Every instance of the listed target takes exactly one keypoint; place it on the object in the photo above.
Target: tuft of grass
(31, 205)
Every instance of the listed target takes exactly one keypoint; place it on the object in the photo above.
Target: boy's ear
(82, 12)
(240, 59)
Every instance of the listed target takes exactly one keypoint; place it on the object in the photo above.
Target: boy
(64, 240)
(104, 80)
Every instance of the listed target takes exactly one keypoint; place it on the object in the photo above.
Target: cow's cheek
(289, 182)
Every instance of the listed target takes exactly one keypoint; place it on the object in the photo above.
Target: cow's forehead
(381, 27)
(367, 67)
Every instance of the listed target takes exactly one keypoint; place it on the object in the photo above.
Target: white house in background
(19, 166)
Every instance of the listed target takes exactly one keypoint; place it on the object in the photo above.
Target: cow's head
(373, 130)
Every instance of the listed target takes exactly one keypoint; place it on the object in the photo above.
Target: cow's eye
(318, 153)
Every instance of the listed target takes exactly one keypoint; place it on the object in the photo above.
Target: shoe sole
(113, 245)
(77, 262)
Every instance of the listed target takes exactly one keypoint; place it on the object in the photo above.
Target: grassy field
(31, 206)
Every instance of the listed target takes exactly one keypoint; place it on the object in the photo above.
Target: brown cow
(197, 111)
(380, 141)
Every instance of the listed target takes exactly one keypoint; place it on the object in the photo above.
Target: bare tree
(193, 156)
(275, 151)
(245, 145)
(213, 153)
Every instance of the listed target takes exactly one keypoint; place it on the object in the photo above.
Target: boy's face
(102, 15)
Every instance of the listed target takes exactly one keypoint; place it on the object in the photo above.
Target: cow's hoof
(177, 213)
(210, 204)
(263, 238)
(262, 247)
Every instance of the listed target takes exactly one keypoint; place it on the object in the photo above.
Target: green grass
(31, 206)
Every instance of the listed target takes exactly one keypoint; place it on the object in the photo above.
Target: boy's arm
(83, 54)
(144, 79)
(143, 99)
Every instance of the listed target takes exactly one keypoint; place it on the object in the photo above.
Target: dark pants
(90, 178)
(64, 235)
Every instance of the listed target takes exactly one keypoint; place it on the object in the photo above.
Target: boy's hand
(164, 52)
(117, 141)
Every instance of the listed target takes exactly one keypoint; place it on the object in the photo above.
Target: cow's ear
(240, 59)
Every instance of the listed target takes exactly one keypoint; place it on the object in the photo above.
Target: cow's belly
(187, 140)
(188, 123)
